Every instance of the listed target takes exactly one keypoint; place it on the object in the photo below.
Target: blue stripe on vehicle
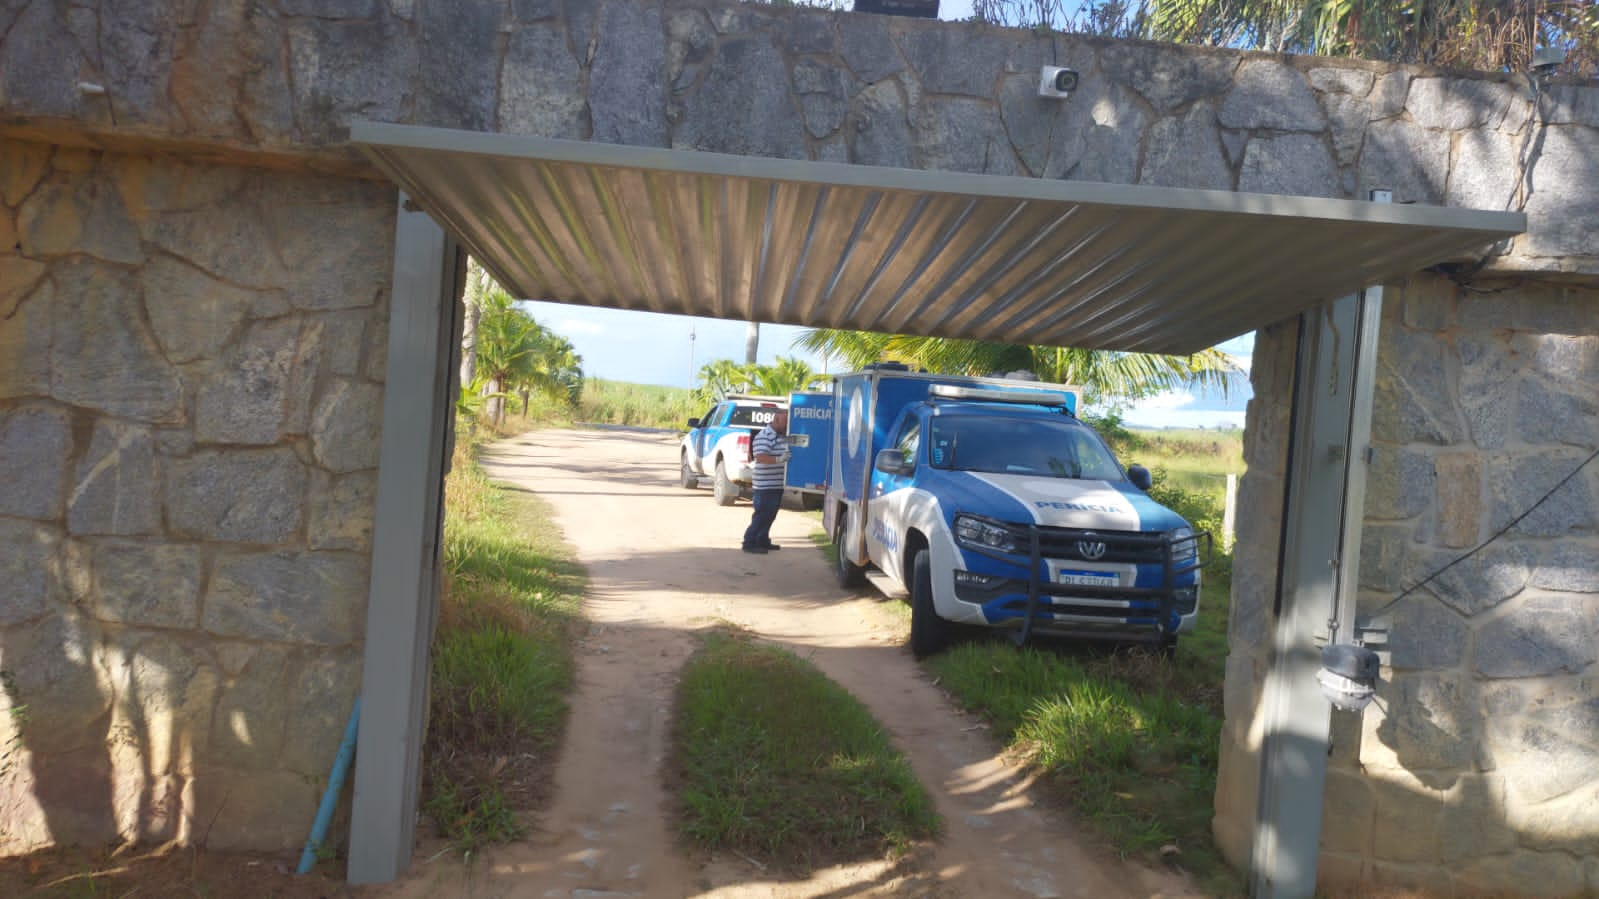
(961, 491)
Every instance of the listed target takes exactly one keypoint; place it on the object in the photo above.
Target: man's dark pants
(766, 502)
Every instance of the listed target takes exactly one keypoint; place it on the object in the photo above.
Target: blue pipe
(330, 796)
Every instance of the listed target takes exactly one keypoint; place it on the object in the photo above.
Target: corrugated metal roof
(1025, 260)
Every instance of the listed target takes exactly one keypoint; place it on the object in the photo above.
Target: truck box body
(1023, 517)
(810, 435)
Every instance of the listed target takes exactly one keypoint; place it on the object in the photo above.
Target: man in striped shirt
(771, 458)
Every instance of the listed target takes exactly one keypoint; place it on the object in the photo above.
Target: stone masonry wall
(1473, 773)
(191, 360)
(1475, 770)
(1249, 628)
(289, 76)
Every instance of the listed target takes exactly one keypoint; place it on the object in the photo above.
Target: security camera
(1056, 82)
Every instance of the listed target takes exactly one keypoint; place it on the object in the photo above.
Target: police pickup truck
(717, 444)
(987, 502)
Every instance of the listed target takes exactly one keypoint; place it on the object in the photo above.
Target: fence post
(1229, 511)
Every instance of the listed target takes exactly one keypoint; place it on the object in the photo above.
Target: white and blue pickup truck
(986, 502)
(717, 444)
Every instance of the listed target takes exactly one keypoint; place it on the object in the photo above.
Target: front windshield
(1042, 448)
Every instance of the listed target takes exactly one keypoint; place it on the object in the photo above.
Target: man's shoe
(772, 547)
(755, 549)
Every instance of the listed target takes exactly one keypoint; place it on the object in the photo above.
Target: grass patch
(502, 661)
(1129, 737)
(779, 763)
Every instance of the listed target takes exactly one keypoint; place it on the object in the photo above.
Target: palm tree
(478, 286)
(1491, 35)
(788, 376)
(516, 354)
(719, 378)
(1102, 374)
(557, 368)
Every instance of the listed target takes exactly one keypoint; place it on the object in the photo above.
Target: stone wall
(191, 359)
(1267, 430)
(811, 84)
(1472, 774)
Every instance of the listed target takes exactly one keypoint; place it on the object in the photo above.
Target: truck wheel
(929, 633)
(688, 478)
(849, 574)
(725, 490)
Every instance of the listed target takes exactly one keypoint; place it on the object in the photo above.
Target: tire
(722, 486)
(687, 478)
(929, 633)
(849, 574)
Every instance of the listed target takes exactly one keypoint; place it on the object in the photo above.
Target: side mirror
(892, 461)
(1139, 475)
(693, 423)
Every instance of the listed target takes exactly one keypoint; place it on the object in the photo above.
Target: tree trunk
(478, 283)
(496, 406)
(752, 342)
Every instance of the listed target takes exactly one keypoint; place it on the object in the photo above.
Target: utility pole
(691, 357)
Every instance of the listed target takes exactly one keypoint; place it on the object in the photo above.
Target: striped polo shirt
(763, 475)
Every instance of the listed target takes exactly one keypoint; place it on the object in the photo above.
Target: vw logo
(1090, 549)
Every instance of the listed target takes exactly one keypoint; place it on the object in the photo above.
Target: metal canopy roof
(1026, 260)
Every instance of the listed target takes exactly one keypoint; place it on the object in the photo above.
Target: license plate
(1090, 579)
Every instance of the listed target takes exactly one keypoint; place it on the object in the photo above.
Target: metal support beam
(1318, 572)
(402, 604)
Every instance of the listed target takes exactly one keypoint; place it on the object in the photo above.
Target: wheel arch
(915, 541)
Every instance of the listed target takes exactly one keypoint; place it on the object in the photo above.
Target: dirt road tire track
(664, 562)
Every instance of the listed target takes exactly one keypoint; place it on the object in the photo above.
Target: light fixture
(1348, 675)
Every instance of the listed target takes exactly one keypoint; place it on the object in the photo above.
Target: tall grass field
(644, 405)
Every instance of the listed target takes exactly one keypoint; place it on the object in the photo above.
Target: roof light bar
(987, 395)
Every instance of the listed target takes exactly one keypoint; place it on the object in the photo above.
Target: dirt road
(663, 562)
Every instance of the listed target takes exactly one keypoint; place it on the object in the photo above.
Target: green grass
(779, 763)
(502, 661)
(1194, 460)
(1131, 738)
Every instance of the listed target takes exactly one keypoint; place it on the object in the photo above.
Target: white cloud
(1167, 400)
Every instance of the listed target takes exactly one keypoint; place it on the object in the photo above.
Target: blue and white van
(987, 502)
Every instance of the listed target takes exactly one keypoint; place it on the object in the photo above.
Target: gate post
(402, 603)
(1318, 573)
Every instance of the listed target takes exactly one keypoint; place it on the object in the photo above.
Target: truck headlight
(979, 534)
(1184, 548)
